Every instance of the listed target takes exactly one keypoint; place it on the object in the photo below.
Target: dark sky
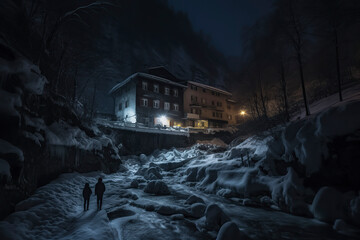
(223, 19)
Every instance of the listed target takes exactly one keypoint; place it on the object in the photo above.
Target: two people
(99, 192)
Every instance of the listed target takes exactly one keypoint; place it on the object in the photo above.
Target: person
(99, 192)
(86, 194)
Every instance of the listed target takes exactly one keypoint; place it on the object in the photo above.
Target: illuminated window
(166, 106)
(176, 107)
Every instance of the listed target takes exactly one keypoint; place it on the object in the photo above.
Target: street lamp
(242, 113)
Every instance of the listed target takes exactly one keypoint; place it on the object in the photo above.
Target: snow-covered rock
(193, 199)
(215, 217)
(328, 205)
(230, 231)
(157, 187)
(197, 210)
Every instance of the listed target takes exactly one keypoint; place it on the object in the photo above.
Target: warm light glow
(163, 119)
(242, 113)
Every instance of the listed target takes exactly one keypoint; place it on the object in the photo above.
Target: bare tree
(294, 26)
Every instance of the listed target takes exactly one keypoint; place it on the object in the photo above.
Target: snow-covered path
(55, 211)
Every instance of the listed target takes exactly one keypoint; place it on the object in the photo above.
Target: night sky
(223, 20)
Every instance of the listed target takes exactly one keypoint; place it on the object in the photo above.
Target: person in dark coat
(99, 192)
(86, 194)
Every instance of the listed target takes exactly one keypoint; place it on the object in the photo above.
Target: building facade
(149, 99)
(206, 106)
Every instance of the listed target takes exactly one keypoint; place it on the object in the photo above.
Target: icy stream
(55, 211)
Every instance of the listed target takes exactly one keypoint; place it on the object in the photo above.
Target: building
(152, 97)
(207, 106)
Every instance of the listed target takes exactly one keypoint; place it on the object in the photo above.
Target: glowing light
(242, 113)
(163, 119)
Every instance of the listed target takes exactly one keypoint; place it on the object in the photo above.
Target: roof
(210, 88)
(145, 75)
(162, 71)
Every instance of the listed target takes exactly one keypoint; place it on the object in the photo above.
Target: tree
(294, 25)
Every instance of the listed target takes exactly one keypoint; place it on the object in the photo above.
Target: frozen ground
(256, 186)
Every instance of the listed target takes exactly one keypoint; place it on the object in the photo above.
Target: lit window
(144, 102)
(167, 91)
(166, 106)
(126, 103)
(156, 88)
(156, 104)
(144, 85)
(176, 107)
(176, 92)
(203, 101)
(120, 106)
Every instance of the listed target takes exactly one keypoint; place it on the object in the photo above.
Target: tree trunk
(284, 92)
(307, 110)
(338, 65)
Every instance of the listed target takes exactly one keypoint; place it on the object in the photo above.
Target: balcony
(192, 116)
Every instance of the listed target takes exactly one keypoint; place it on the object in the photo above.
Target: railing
(142, 127)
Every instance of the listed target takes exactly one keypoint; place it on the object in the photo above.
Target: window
(126, 103)
(167, 91)
(193, 87)
(229, 117)
(203, 101)
(120, 106)
(228, 106)
(144, 85)
(213, 103)
(156, 88)
(176, 92)
(176, 107)
(212, 93)
(156, 104)
(144, 102)
(219, 104)
(204, 90)
(193, 98)
(166, 106)
(213, 114)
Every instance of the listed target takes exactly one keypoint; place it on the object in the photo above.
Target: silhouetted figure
(99, 192)
(86, 194)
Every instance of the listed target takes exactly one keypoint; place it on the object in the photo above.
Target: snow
(200, 193)
(9, 102)
(5, 169)
(7, 148)
(61, 133)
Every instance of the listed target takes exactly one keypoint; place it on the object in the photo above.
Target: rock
(157, 187)
(194, 199)
(328, 205)
(134, 184)
(215, 217)
(197, 210)
(169, 210)
(152, 174)
(266, 201)
(177, 216)
(230, 231)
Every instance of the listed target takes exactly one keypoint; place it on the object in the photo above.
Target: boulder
(230, 231)
(157, 187)
(215, 217)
